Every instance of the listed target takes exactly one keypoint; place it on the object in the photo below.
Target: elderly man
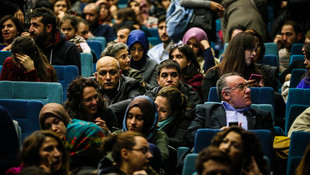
(235, 109)
(118, 90)
(168, 74)
(91, 12)
(120, 52)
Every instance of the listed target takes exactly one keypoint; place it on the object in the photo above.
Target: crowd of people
(144, 101)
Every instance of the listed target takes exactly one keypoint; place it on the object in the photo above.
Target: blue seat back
(154, 40)
(25, 112)
(297, 97)
(65, 75)
(96, 46)
(270, 60)
(265, 107)
(294, 111)
(154, 32)
(297, 49)
(4, 55)
(47, 92)
(203, 138)
(190, 164)
(296, 57)
(86, 64)
(296, 77)
(272, 49)
(101, 39)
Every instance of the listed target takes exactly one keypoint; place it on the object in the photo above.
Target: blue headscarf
(149, 111)
(140, 37)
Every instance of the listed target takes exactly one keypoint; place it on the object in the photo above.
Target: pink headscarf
(195, 32)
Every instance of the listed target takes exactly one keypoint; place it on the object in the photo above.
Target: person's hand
(46, 164)
(225, 127)
(101, 123)
(205, 44)
(7, 48)
(284, 4)
(79, 47)
(25, 61)
(141, 172)
(61, 14)
(20, 16)
(25, 34)
(278, 40)
(216, 7)
(253, 168)
(254, 83)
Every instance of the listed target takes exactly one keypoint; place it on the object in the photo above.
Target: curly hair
(251, 146)
(75, 97)
(30, 153)
(48, 17)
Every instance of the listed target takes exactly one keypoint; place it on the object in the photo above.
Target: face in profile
(135, 120)
(8, 31)
(90, 100)
(139, 156)
(56, 125)
(233, 146)
(50, 154)
(163, 108)
(123, 59)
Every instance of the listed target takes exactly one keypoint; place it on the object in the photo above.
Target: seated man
(168, 74)
(235, 109)
(120, 52)
(117, 89)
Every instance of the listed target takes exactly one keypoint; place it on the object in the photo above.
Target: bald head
(108, 73)
(91, 13)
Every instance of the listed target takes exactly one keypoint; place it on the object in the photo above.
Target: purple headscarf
(195, 32)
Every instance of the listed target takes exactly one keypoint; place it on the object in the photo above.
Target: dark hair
(26, 45)
(48, 17)
(126, 15)
(161, 19)
(260, 42)
(221, 83)
(251, 146)
(296, 26)
(237, 27)
(212, 153)
(115, 143)
(73, 21)
(176, 99)
(194, 68)
(68, 2)
(30, 152)
(234, 58)
(18, 24)
(168, 64)
(75, 97)
(303, 167)
(33, 170)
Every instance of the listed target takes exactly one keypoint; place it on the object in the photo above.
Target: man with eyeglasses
(120, 52)
(290, 33)
(117, 89)
(168, 74)
(235, 109)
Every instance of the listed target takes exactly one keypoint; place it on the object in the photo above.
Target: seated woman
(82, 139)
(45, 150)
(138, 46)
(141, 116)
(190, 68)
(171, 105)
(10, 29)
(68, 26)
(60, 7)
(244, 150)
(27, 63)
(305, 82)
(85, 103)
(130, 154)
(197, 39)
(105, 14)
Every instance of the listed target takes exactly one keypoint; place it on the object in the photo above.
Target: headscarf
(195, 32)
(149, 111)
(140, 37)
(56, 110)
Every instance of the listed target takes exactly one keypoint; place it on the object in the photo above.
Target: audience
(138, 47)
(117, 89)
(10, 29)
(190, 68)
(85, 103)
(130, 153)
(50, 40)
(45, 150)
(160, 52)
(141, 116)
(91, 13)
(68, 26)
(197, 39)
(171, 106)
(27, 63)
(235, 94)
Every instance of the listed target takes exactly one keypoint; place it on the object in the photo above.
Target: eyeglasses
(124, 57)
(140, 49)
(144, 150)
(242, 87)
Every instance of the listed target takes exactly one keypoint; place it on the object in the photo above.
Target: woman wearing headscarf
(197, 39)
(138, 46)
